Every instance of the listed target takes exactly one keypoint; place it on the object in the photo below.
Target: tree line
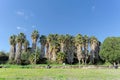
(55, 48)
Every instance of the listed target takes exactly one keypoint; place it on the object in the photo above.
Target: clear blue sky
(100, 18)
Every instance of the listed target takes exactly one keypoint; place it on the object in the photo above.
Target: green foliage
(43, 39)
(25, 58)
(79, 39)
(62, 38)
(3, 57)
(35, 57)
(21, 38)
(110, 50)
(35, 34)
(12, 40)
(93, 39)
(26, 43)
(61, 57)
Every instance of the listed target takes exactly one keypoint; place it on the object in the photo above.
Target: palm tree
(79, 43)
(93, 45)
(97, 50)
(50, 38)
(34, 36)
(26, 45)
(62, 40)
(69, 48)
(13, 47)
(20, 40)
(43, 41)
(85, 44)
(53, 46)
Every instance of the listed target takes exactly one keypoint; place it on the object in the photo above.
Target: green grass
(59, 74)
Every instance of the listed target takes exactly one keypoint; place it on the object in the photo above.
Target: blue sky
(100, 18)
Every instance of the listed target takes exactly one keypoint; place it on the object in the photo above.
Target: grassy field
(59, 74)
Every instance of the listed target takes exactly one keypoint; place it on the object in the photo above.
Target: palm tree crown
(79, 40)
(12, 40)
(35, 35)
(43, 39)
(21, 38)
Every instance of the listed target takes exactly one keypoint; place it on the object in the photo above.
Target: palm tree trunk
(62, 47)
(93, 48)
(18, 53)
(86, 53)
(53, 55)
(79, 52)
(25, 48)
(12, 53)
(34, 45)
(47, 51)
(42, 54)
(50, 52)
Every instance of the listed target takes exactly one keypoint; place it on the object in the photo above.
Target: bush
(25, 58)
(3, 57)
(61, 57)
(34, 58)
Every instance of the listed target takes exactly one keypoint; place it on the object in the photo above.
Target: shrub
(34, 58)
(25, 58)
(3, 57)
(61, 57)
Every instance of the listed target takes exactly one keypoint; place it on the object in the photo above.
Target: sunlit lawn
(59, 74)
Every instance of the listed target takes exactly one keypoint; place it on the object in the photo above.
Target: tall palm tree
(13, 47)
(52, 40)
(43, 41)
(48, 46)
(55, 46)
(85, 44)
(62, 40)
(26, 45)
(97, 50)
(93, 45)
(79, 43)
(69, 48)
(34, 36)
(20, 40)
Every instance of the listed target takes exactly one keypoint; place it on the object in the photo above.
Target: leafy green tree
(3, 57)
(110, 50)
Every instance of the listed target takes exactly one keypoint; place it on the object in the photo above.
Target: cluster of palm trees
(22, 45)
(83, 48)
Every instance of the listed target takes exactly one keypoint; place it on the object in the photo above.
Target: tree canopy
(110, 49)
